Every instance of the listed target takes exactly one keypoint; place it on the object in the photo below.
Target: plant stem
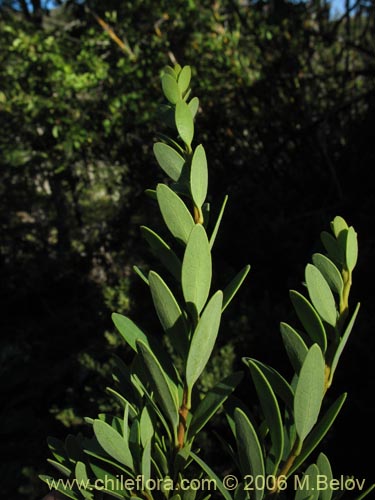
(295, 451)
(183, 413)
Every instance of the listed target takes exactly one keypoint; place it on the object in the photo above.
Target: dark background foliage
(287, 118)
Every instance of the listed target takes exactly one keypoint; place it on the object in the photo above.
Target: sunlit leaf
(199, 176)
(184, 122)
(309, 318)
(309, 392)
(175, 213)
(196, 269)
(169, 160)
(321, 295)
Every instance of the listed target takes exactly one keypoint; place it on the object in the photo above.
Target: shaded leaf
(194, 106)
(211, 474)
(166, 393)
(309, 490)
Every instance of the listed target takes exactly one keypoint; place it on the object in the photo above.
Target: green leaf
(342, 343)
(332, 247)
(169, 160)
(194, 106)
(57, 449)
(351, 249)
(113, 443)
(294, 345)
(128, 330)
(141, 274)
(309, 392)
(218, 222)
(318, 432)
(146, 461)
(146, 427)
(278, 383)
(309, 318)
(163, 251)
(310, 490)
(113, 486)
(203, 340)
(166, 393)
(231, 289)
(366, 492)
(184, 79)
(83, 479)
(211, 402)
(170, 88)
(61, 488)
(249, 449)
(270, 409)
(60, 467)
(169, 313)
(199, 176)
(338, 224)
(321, 295)
(330, 272)
(184, 122)
(175, 213)
(211, 474)
(196, 269)
(325, 470)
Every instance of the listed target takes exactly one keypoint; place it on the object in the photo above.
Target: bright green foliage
(163, 409)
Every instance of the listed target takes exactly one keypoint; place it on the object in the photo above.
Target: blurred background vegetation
(287, 118)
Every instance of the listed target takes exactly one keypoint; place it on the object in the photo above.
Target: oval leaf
(330, 272)
(249, 449)
(351, 249)
(170, 88)
(169, 160)
(169, 313)
(199, 176)
(128, 330)
(337, 225)
(203, 340)
(194, 106)
(294, 345)
(309, 392)
(184, 79)
(175, 213)
(309, 318)
(326, 471)
(271, 411)
(197, 269)
(320, 294)
(113, 443)
(184, 122)
(309, 485)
